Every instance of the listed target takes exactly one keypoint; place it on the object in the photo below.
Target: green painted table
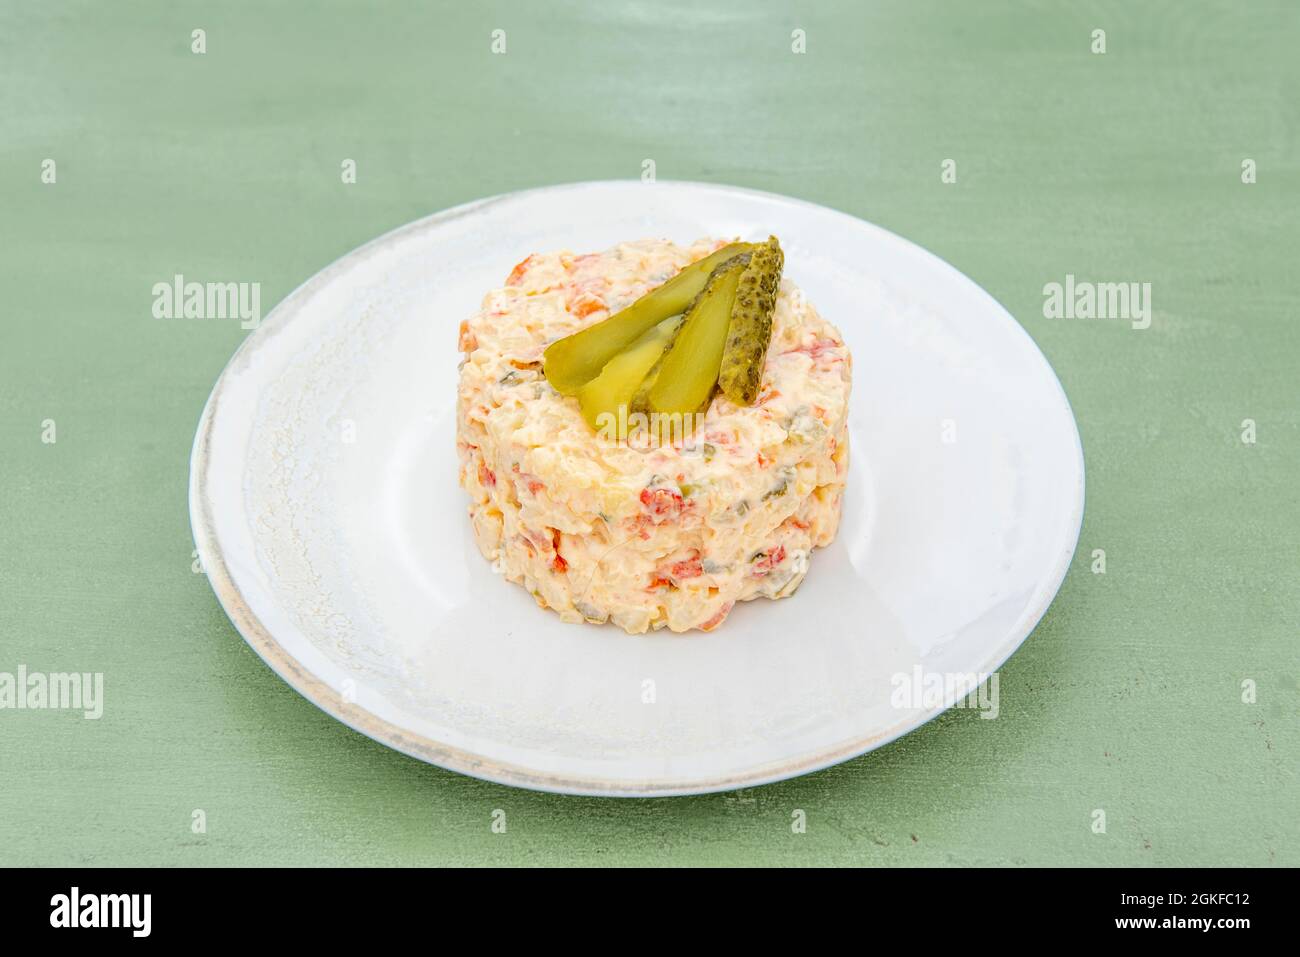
(1162, 692)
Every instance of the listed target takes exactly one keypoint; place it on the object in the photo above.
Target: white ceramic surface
(325, 507)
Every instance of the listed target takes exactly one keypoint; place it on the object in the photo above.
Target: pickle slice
(572, 362)
(641, 397)
(741, 372)
(689, 372)
(611, 391)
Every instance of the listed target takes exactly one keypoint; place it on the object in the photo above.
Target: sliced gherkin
(572, 362)
(641, 398)
(741, 372)
(689, 372)
(610, 393)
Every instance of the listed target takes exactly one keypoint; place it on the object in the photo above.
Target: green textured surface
(1123, 166)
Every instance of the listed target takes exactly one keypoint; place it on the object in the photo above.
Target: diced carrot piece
(517, 273)
(468, 342)
(717, 619)
(585, 305)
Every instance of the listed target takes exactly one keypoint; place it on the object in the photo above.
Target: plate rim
(323, 696)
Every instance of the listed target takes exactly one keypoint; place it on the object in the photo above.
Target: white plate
(325, 507)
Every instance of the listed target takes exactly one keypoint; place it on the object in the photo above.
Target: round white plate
(326, 511)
